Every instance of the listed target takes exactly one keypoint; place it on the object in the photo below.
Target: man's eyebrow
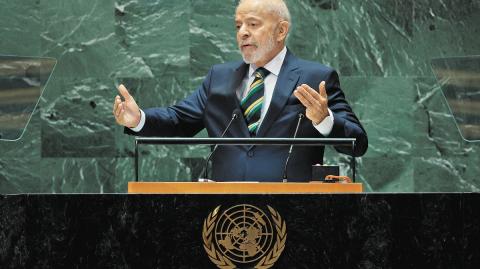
(248, 19)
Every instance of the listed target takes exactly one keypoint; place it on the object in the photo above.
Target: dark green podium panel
(250, 231)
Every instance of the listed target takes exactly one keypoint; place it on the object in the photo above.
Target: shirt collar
(273, 66)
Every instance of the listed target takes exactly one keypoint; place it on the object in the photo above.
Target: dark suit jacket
(211, 107)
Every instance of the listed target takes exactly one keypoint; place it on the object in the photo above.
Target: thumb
(124, 92)
(322, 90)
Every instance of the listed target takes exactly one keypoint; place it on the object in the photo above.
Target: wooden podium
(241, 188)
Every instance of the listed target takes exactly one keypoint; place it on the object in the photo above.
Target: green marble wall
(161, 49)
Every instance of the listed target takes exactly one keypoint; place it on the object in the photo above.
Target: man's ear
(283, 28)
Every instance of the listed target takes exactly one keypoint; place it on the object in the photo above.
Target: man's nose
(243, 33)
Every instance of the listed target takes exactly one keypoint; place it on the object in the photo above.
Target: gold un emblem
(243, 235)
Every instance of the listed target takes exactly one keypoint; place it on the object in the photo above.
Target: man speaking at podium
(265, 95)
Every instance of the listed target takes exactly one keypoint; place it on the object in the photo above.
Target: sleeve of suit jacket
(345, 122)
(182, 119)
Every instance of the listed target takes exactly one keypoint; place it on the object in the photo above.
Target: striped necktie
(252, 103)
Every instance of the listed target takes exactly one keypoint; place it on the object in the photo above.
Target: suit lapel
(286, 82)
(239, 127)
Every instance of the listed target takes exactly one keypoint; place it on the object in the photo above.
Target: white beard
(261, 51)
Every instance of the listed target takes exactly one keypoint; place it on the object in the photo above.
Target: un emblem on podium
(244, 236)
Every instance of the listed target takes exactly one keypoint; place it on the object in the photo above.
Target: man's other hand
(126, 112)
(316, 103)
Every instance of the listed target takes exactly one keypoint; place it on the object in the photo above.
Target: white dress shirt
(274, 66)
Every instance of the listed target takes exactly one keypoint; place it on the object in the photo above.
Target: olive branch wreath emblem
(224, 262)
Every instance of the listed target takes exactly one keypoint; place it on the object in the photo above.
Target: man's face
(257, 32)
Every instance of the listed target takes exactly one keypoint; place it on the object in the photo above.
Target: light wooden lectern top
(241, 188)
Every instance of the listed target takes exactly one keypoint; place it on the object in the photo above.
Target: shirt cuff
(141, 123)
(325, 127)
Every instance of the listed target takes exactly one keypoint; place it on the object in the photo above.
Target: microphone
(235, 114)
(300, 117)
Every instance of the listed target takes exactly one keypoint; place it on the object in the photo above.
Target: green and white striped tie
(252, 103)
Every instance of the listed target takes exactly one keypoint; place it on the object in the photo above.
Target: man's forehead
(247, 16)
(253, 9)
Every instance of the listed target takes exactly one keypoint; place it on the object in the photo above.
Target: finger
(116, 112)
(322, 89)
(119, 110)
(313, 93)
(302, 99)
(116, 103)
(309, 93)
(300, 95)
(124, 92)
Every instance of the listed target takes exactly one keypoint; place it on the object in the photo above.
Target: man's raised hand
(316, 103)
(126, 112)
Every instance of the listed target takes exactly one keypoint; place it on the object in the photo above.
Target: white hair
(279, 7)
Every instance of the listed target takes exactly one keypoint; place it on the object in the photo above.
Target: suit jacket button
(250, 153)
